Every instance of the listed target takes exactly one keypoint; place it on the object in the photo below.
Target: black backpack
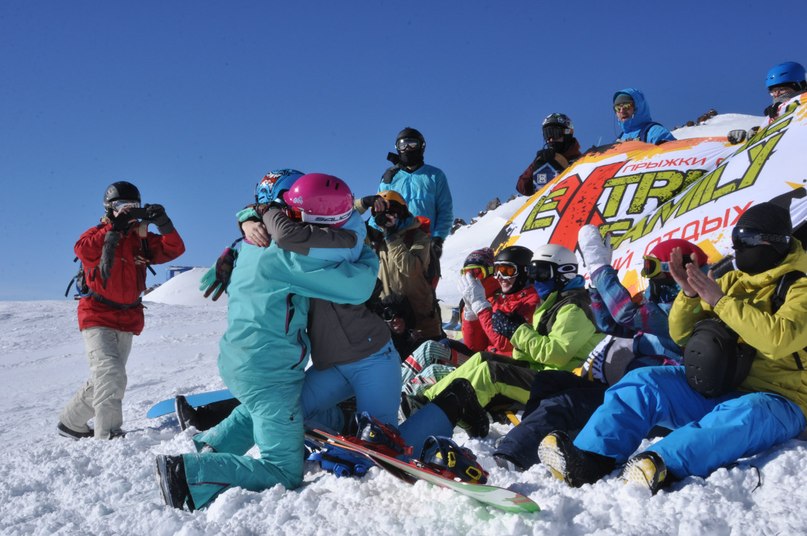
(714, 359)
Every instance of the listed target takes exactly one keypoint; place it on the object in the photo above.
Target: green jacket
(566, 345)
(780, 339)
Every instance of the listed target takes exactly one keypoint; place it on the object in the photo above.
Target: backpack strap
(578, 297)
(646, 129)
(778, 299)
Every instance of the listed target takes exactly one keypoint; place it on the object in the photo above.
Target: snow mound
(183, 289)
(719, 125)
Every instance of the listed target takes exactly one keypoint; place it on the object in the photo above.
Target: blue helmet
(788, 72)
(274, 183)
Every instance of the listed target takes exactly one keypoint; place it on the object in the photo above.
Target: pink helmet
(320, 198)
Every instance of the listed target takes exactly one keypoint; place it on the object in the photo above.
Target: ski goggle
(652, 266)
(555, 132)
(547, 271)
(476, 270)
(122, 204)
(505, 270)
(389, 314)
(623, 106)
(407, 144)
(748, 238)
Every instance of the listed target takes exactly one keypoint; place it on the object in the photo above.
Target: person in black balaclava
(424, 188)
(761, 238)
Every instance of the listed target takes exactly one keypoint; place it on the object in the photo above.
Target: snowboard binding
(445, 457)
(384, 438)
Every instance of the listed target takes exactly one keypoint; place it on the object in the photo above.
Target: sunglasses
(748, 238)
(505, 270)
(623, 106)
(405, 144)
(477, 271)
(389, 314)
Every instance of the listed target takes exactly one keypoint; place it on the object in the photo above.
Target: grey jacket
(339, 333)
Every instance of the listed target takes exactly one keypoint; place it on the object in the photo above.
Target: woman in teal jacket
(262, 360)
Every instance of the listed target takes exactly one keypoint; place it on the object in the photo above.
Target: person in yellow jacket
(768, 406)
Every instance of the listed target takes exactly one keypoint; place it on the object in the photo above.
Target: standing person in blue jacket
(633, 116)
(638, 335)
(263, 353)
(423, 187)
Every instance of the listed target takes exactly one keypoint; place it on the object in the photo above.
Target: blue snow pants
(374, 380)
(708, 433)
(559, 400)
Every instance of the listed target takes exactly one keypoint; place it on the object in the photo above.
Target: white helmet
(553, 261)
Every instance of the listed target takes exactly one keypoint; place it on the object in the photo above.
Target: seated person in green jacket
(561, 336)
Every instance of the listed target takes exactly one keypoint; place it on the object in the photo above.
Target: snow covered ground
(51, 485)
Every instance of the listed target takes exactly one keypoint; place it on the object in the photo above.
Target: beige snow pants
(102, 395)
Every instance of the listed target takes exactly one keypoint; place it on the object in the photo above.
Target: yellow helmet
(391, 195)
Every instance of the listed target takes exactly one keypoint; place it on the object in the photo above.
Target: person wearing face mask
(633, 116)
(710, 431)
(783, 81)
(561, 149)
(424, 188)
(637, 336)
(561, 335)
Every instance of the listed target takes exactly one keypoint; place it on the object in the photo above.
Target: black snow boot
(173, 485)
(461, 406)
(69, 433)
(186, 415)
(571, 464)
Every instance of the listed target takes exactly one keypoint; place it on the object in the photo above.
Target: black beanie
(768, 218)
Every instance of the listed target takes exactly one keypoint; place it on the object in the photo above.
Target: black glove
(156, 215)
(223, 270)
(111, 240)
(737, 136)
(121, 223)
(545, 155)
(506, 324)
(437, 246)
(368, 201)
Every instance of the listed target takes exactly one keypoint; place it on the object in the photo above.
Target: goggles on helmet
(652, 266)
(748, 238)
(407, 144)
(122, 204)
(555, 132)
(476, 270)
(623, 106)
(505, 270)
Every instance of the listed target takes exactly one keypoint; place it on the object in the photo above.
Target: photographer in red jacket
(114, 257)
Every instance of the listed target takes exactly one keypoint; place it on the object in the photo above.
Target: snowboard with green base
(413, 470)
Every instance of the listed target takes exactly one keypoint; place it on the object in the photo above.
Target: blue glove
(506, 324)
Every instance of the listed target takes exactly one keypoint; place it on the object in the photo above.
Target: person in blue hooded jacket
(638, 335)
(264, 351)
(633, 116)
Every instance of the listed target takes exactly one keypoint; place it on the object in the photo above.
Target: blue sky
(195, 101)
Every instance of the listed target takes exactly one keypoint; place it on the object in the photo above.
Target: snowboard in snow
(166, 407)
(413, 470)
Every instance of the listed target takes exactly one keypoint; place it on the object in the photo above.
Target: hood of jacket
(641, 111)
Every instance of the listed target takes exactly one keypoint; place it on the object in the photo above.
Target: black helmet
(121, 190)
(518, 256)
(411, 133)
(558, 127)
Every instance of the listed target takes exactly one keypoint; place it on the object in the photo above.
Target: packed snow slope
(51, 485)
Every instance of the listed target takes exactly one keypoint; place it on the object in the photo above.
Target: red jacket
(127, 280)
(478, 335)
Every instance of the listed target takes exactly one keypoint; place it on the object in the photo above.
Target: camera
(138, 213)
